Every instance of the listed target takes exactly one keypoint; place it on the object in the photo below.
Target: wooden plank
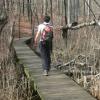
(56, 86)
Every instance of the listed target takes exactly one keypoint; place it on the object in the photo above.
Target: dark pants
(45, 51)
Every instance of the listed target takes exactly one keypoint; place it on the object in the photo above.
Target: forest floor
(22, 29)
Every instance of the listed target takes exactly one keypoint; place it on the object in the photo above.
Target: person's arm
(36, 37)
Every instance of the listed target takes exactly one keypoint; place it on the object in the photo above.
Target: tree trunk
(65, 7)
(68, 13)
(45, 7)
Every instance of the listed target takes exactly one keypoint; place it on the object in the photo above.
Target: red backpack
(47, 33)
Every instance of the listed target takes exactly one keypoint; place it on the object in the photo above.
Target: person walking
(45, 32)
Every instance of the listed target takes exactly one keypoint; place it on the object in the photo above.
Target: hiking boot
(45, 73)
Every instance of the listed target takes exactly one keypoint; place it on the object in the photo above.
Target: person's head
(46, 19)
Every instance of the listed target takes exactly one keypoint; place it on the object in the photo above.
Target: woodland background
(76, 49)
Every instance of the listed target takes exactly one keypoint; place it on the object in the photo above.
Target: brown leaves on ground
(23, 27)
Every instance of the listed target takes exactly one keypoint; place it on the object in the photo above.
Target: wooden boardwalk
(56, 86)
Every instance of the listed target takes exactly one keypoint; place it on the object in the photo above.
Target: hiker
(45, 32)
